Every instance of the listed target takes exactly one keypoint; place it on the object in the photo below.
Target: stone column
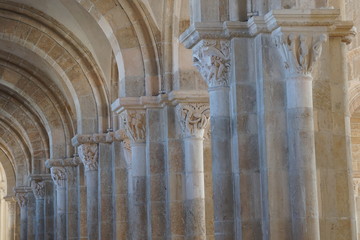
(135, 125)
(212, 58)
(11, 203)
(38, 187)
(194, 118)
(88, 153)
(22, 198)
(300, 52)
(356, 188)
(71, 194)
(58, 175)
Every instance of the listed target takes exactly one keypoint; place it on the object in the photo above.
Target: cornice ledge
(343, 29)
(95, 138)
(213, 30)
(195, 96)
(66, 162)
(39, 177)
(138, 103)
(22, 189)
(174, 97)
(301, 17)
(305, 20)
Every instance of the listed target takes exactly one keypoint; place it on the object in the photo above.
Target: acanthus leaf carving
(194, 118)
(88, 154)
(58, 174)
(134, 123)
(38, 188)
(212, 59)
(300, 52)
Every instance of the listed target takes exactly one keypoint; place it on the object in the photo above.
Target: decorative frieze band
(212, 59)
(58, 174)
(88, 153)
(194, 118)
(300, 52)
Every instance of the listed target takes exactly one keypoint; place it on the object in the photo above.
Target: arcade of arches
(179, 119)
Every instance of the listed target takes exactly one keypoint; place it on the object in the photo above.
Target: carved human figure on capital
(194, 118)
(212, 59)
(134, 122)
(88, 153)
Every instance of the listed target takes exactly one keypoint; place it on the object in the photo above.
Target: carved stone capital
(134, 123)
(22, 198)
(300, 52)
(212, 59)
(88, 154)
(58, 174)
(38, 188)
(356, 185)
(194, 118)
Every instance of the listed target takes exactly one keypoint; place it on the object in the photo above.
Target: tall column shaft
(22, 198)
(138, 211)
(92, 203)
(23, 223)
(194, 118)
(302, 163)
(300, 53)
(195, 189)
(39, 215)
(38, 187)
(222, 167)
(11, 219)
(212, 58)
(88, 154)
(134, 124)
(58, 174)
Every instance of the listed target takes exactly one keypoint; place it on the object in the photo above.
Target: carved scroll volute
(58, 174)
(194, 118)
(300, 52)
(88, 154)
(212, 59)
(22, 199)
(134, 123)
(38, 188)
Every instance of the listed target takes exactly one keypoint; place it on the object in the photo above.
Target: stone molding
(109, 137)
(212, 59)
(88, 153)
(66, 162)
(304, 19)
(10, 199)
(134, 123)
(300, 52)
(58, 174)
(172, 98)
(194, 118)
